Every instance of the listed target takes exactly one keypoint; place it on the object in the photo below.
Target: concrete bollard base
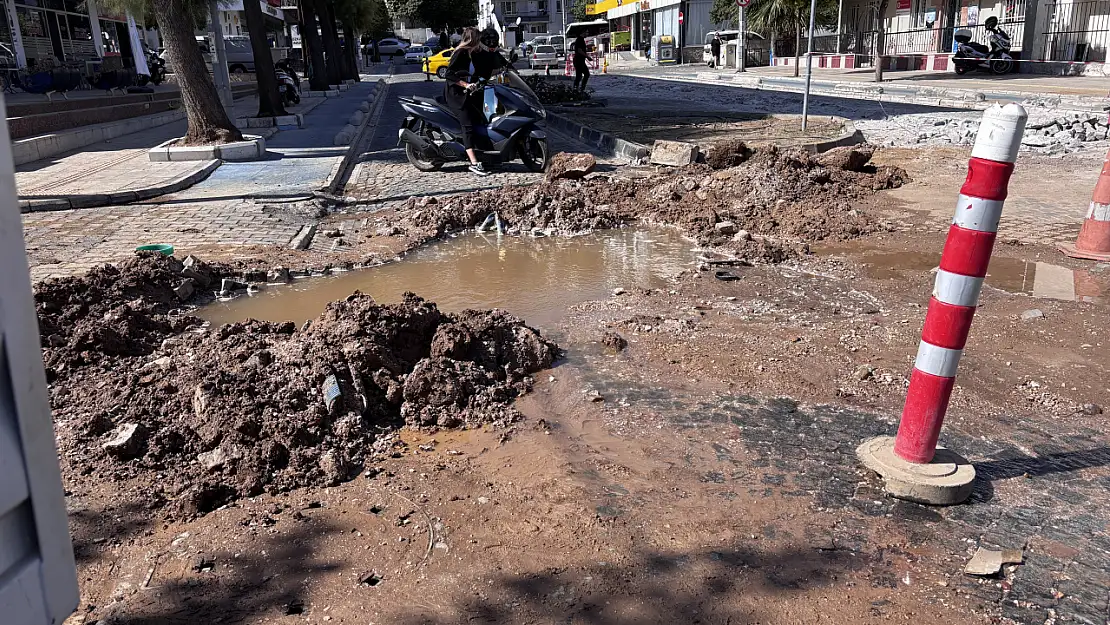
(943, 482)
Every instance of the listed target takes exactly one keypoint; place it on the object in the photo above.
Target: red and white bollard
(911, 464)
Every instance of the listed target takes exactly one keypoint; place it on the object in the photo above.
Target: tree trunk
(269, 100)
(797, 50)
(880, 40)
(331, 41)
(318, 77)
(351, 52)
(207, 120)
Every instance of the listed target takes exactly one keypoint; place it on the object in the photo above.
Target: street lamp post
(809, 64)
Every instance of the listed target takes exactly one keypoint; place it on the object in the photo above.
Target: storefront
(41, 34)
(645, 19)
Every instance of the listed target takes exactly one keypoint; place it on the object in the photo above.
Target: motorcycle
(157, 67)
(432, 135)
(971, 55)
(289, 86)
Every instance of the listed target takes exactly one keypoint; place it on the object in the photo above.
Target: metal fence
(1077, 31)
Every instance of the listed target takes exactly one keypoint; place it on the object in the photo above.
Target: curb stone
(343, 168)
(605, 143)
(42, 204)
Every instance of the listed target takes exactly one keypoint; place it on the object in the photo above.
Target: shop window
(508, 8)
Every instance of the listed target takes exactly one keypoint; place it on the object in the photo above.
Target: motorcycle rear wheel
(419, 162)
(1001, 66)
(960, 70)
(534, 154)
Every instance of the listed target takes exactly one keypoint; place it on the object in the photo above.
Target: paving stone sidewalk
(120, 164)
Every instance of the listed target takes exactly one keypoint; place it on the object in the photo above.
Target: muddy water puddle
(1036, 278)
(537, 279)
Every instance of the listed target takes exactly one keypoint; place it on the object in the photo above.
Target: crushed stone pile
(765, 204)
(191, 420)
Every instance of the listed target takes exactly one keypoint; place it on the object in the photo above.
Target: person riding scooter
(474, 61)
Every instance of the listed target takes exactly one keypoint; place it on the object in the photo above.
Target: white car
(416, 54)
(544, 55)
(392, 47)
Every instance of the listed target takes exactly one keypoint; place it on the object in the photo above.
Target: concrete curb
(33, 204)
(251, 148)
(605, 143)
(637, 153)
(343, 169)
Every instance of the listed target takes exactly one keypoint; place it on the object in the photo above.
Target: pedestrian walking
(581, 70)
(376, 52)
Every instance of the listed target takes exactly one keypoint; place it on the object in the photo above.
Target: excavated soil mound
(197, 419)
(767, 207)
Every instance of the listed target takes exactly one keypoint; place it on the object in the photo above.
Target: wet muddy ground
(697, 469)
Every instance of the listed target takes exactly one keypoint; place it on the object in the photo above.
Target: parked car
(392, 47)
(240, 55)
(416, 54)
(205, 51)
(437, 63)
(544, 56)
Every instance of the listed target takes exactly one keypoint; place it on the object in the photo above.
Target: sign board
(904, 5)
(743, 3)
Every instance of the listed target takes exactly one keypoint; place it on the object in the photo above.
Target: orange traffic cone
(1094, 237)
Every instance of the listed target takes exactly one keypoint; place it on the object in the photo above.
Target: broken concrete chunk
(216, 459)
(185, 290)
(569, 166)
(196, 269)
(673, 153)
(1032, 314)
(990, 561)
(278, 274)
(726, 227)
(126, 441)
(851, 158)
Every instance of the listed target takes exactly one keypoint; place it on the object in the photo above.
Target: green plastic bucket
(162, 248)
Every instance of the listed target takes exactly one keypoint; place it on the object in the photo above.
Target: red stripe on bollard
(926, 404)
(947, 325)
(967, 252)
(987, 179)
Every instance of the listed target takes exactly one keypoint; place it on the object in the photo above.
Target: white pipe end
(1000, 133)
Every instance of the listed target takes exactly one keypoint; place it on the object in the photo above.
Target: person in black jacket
(715, 47)
(581, 70)
(474, 60)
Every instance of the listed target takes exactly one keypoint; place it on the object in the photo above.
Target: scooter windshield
(515, 82)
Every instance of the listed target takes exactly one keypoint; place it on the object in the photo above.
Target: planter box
(252, 149)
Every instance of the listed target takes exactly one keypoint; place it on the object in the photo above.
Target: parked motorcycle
(289, 85)
(157, 67)
(432, 135)
(971, 55)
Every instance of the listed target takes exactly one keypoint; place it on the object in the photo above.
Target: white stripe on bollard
(938, 361)
(957, 289)
(977, 214)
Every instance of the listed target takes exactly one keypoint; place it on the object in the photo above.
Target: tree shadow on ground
(94, 531)
(1048, 466)
(268, 582)
(725, 585)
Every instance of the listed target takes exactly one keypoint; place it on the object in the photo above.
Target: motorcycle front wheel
(1001, 66)
(534, 154)
(960, 70)
(420, 162)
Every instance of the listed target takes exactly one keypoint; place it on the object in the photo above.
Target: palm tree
(269, 100)
(207, 120)
(786, 16)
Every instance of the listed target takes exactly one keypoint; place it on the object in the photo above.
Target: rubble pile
(764, 204)
(1045, 132)
(193, 418)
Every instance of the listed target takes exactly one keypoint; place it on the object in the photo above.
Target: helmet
(489, 38)
(991, 22)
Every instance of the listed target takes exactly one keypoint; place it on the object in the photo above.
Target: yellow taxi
(437, 63)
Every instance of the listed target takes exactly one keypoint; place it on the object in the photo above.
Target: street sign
(680, 17)
(743, 3)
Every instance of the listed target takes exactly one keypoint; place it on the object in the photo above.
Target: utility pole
(219, 64)
(742, 44)
(809, 63)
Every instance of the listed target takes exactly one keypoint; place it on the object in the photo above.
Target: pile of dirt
(769, 206)
(253, 407)
(116, 310)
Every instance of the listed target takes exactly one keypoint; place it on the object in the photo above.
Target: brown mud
(196, 419)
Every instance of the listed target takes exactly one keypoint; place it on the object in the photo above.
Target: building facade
(47, 33)
(537, 17)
